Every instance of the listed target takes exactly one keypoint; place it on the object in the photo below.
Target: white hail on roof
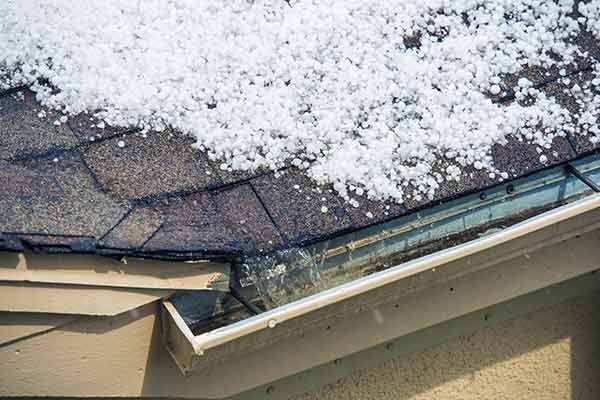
(332, 85)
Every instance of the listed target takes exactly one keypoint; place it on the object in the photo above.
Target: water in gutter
(281, 278)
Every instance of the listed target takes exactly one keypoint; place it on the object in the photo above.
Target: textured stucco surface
(550, 354)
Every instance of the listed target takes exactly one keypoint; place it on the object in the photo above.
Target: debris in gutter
(286, 276)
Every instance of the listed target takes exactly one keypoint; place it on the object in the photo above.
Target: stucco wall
(551, 354)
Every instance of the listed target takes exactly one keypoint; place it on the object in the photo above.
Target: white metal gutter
(272, 318)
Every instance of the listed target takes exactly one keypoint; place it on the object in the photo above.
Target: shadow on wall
(585, 352)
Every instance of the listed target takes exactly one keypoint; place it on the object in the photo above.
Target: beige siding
(551, 354)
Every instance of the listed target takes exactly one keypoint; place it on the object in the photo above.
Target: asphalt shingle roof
(159, 196)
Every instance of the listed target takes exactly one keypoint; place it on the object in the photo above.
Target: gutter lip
(272, 318)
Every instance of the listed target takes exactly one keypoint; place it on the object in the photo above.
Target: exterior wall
(553, 353)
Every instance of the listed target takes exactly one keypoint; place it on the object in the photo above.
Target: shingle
(519, 157)
(23, 133)
(370, 212)
(556, 90)
(53, 243)
(246, 217)
(191, 224)
(587, 42)
(55, 198)
(134, 230)
(295, 204)
(84, 126)
(231, 177)
(471, 180)
(231, 220)
(159, 164)
(534, 73)
(538, 76)
(10, 242)
(584, 40)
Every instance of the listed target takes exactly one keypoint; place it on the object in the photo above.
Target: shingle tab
(24, 134)
(55, 243)
(518, 158)
(86, 128)
(231, 220)
(581, 141)
(232, 177)
(191, 224)
(296, 205)
(471, 180)
(159, 164)
(541, 76)
(586, 42)
(55, 198)
(134, 230)
(371, 212)
(246, 217)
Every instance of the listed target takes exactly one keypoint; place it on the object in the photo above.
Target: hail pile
(367, 95)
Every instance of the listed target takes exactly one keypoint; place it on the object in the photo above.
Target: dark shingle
(52, 243)
(23, 133)
(471, 179)
(231, 220)
(84, 126)
(231, 177)
(159, 164)
(371, 212)
(55, 198)
(191, 224)
(519, 157)
(134, 230)
(295, 204)
(588, 43)
(560, 91)
(247, 219)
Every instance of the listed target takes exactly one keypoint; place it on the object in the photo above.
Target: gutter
(470, 243)
(271, 319)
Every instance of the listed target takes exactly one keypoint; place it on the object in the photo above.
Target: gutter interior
(281, 278)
